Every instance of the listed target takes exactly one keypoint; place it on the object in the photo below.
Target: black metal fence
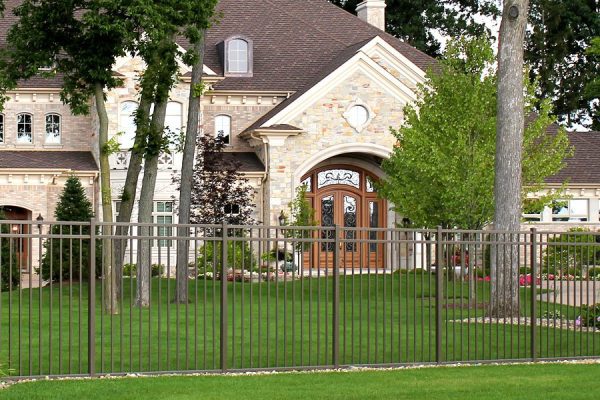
(262, 297)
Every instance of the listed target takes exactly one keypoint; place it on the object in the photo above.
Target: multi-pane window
(1, 128)
(570, 210)
(173, 116)
(237, 56)
(127, 124)
(24, 128)
(223, 128)
(163, 215)
(53, 129)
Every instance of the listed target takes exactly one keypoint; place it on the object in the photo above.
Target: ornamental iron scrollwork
(338, 177)
(327, 220)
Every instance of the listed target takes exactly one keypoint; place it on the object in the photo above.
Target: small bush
(239, 256)
(570, 250)
(590, 315)
(594, 272)
(524, 270)
(131, 270)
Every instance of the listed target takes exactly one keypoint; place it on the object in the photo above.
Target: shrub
(277, 255)
(570, 250)
(239, 256)
(68, 258)
(593, 272)
(9, 267)
(131, 270)
(590, 315)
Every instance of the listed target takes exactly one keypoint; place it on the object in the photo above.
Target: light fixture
(15, 228)
(281, 218)
(40, 220)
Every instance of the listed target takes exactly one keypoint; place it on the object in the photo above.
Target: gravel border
(526, 321)
(351, 369)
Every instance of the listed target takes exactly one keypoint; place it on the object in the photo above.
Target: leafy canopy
(560, 31)
(415, 21)
(442, 170)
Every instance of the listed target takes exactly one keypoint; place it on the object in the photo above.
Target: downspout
(265, 177)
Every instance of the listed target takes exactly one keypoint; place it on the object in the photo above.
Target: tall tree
(196, 58)
(592, 88)
(510, 125)
(442, 171)
(556, 42)
(415, 21)
(81, 40)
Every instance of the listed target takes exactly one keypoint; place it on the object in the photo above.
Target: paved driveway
(574, 293)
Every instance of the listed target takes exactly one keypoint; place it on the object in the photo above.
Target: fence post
(92, 300)
(335, 342)
(439, 280)
(534, 268)
(223, 339)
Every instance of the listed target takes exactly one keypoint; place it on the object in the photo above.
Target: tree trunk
(131, 182)
(509, 143)
(110, 294)
(187, 171)
(146, 204)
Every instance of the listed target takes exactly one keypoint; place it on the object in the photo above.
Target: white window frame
(160, 218)
(126, 140)
(169, 115)
(569, 216)
(225, 129)
(349, 114)
(30, 123)
(53, 124)
(238, 56)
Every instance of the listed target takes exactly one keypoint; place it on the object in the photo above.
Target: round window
(358, 116)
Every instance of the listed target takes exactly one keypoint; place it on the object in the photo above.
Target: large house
(303, 92)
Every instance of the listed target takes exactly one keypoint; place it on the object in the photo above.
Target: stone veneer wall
(325, 127)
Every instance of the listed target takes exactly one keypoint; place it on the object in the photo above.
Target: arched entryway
(22, 246)
(346, 196)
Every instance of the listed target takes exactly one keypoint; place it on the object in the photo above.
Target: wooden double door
(353, 205)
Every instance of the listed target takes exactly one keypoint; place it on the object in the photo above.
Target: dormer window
(238, 57)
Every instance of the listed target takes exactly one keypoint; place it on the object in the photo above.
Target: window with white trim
(24, 128)
(1, 128)
(237, 56)
(223, 128)
(53, 129)
(127, 125)
(570, 210)
(173, 116)
(532, 210)
(163, 215)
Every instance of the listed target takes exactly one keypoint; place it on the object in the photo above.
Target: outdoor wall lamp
(281, 218)
(40, 220)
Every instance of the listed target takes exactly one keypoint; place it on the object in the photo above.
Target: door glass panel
(350, 221)
(327, 219)
(373, 223)
(338, 177)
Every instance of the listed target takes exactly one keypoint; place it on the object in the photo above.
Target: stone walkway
(573, 293)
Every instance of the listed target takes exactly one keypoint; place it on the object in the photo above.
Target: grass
(572, 381)
(383, 319)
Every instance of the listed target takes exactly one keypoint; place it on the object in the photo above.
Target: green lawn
(382, 319)
(481, 382)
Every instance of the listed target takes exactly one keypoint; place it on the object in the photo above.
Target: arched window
(127, 124)
(53, 129)
(223, 128)
(173, 116)
(1, 128)
(24, 128)
(238, 56)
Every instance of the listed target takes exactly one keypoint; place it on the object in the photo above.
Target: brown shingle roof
(584, 166)
(72, 160)
(249, 161)
(293, 41)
